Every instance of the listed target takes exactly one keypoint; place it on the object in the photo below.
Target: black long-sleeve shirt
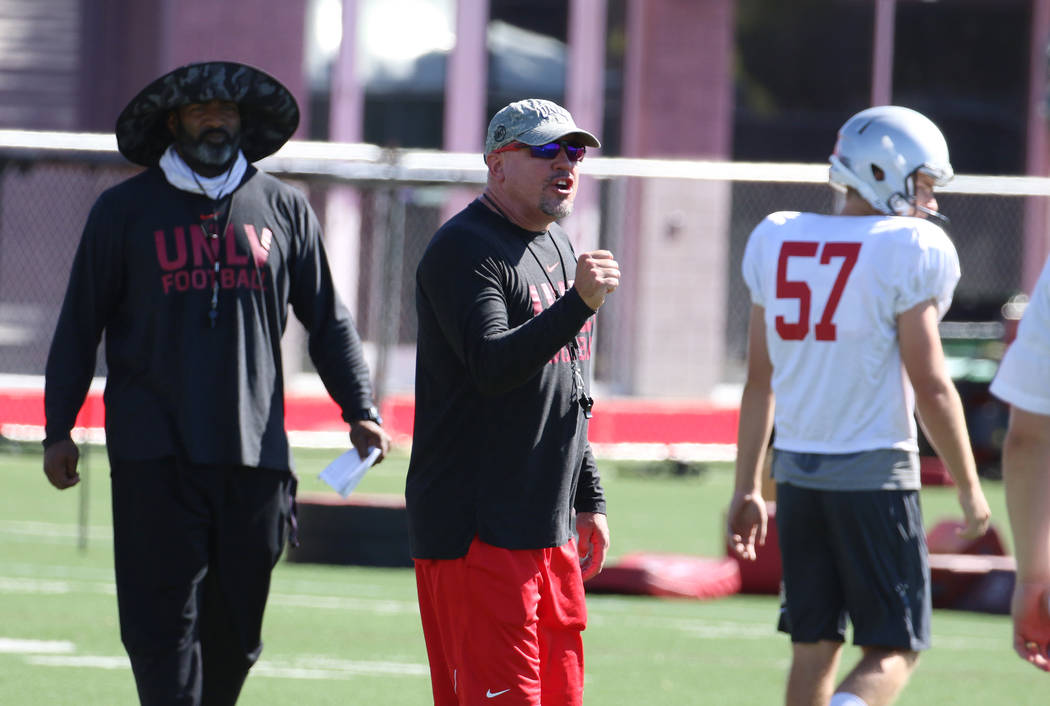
(143, 274)
(500, 445)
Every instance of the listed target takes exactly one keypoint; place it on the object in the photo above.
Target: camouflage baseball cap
(269, 113)
(533, 121)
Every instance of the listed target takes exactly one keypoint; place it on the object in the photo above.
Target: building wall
(128, 43)
(680, 323)
(678, 103)
(39, 51)
(678, 99)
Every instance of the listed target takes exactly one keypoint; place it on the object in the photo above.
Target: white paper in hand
(344, 473)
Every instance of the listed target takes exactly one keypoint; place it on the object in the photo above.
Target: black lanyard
(213, 236)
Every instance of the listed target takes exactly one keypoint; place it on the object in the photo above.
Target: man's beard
(556, 207)
(216, 157)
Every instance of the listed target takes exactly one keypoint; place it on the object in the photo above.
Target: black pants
(194, 549)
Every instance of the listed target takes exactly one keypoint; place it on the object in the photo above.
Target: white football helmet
(879, 151)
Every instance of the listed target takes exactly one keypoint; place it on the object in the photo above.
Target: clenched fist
(597, 274)
(60, 464)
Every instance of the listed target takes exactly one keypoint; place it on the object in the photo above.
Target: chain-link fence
(678, 229)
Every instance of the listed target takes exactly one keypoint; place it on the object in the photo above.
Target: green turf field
(350, 635)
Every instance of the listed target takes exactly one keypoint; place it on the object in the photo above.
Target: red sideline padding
(674, 575)
(943, 538)
(969, 574)
(320, 413)
(991, 594)
(616, 420)
(26, 406)
(762, 576)
(932, 471)
(972, 582)
(640, 421)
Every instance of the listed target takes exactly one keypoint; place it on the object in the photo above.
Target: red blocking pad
(932, 471)
(991, 593)
(943, 538)
(762, 576)
(676, 575)
(972, 582)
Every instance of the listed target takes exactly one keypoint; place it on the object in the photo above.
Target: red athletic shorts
(503, 627)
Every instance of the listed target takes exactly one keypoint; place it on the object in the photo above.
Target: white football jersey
(832, 288)
(1023, 379)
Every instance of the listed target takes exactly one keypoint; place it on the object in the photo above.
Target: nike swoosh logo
(550, 268)
(491, 694)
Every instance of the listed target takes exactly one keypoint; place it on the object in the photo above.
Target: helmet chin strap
(941, 219)
(903, 206)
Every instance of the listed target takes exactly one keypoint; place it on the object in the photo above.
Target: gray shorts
(857, 554)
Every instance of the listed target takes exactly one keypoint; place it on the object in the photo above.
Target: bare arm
(747, 509)
(940, 410)
(1026, 472)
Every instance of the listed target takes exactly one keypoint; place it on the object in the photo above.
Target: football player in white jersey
(843, 348)
(1022, 381)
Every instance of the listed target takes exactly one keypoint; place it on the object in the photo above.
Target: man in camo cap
(533, 122)
(502, 474)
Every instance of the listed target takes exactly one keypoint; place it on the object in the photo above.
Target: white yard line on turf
(57, 571)
(92, 661)
(365, 605)
(298, 668)
(10, 645)
(320, 667)
(53, 530)
(721, 629)
(23, 585)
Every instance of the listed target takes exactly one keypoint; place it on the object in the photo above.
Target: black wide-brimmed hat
(269, 113)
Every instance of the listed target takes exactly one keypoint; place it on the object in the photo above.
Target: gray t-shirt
(880, 469)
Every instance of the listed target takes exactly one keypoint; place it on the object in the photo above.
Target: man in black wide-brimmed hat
(189, 268)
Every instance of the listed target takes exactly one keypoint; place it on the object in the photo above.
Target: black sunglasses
(547, 151)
